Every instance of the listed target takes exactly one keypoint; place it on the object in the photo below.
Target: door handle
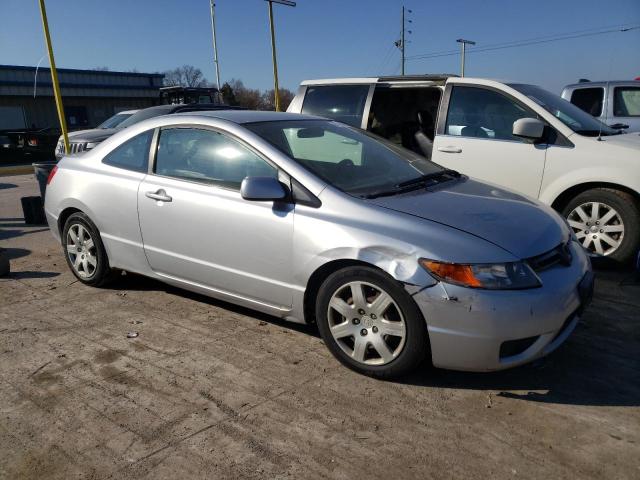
(159, 195)
(450, 149)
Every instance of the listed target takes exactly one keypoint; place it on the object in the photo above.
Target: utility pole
(215, 44)
(464, 43)
(402, 43)
(276, 90)
(54, 78)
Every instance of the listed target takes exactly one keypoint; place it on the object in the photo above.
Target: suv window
(626, 101)
(589, 99)
(344, 103)
(481, 113)
(132, 154)
(207, 156)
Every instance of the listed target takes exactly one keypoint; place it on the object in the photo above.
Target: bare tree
(185, 76)
(268, 100)
(246, 97)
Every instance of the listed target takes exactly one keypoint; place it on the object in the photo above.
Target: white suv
(515, 135)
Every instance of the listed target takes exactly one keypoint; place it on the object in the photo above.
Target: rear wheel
(606, 222)
(370, 323)
(85, 252)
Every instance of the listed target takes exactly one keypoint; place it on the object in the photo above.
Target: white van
(515, 135)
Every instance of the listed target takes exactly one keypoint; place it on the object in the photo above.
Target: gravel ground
(210, 390)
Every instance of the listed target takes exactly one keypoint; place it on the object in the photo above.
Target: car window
(344, 103)
(626, 101)
(589, 99)
(207, 156)
(481, 113)
(132, 154)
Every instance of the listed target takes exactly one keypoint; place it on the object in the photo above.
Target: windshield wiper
(413, 184)
(429, 176)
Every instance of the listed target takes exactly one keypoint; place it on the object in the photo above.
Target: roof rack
(426, 76)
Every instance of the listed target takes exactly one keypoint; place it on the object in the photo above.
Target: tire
(87, 257)
(399, 325)
(623, 227)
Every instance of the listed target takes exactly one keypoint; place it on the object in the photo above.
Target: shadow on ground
(598, 365)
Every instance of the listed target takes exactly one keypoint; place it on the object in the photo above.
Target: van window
(589, 99)
(397, 114)
(344, 103)
(482, 113)
(626, 101)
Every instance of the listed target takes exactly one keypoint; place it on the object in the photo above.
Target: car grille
(560, 255)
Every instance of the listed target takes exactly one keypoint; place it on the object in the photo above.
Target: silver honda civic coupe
(392, 256)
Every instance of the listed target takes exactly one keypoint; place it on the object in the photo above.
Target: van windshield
(573, 117)
(350, 159)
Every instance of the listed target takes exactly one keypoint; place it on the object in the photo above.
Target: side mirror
(529, 128)
(262, 189)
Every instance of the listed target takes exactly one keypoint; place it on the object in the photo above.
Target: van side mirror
(262, 189)
(529, 128)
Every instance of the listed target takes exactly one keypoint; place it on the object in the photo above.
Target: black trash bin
(42, 171)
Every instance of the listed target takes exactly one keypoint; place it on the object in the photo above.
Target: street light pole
(402, 43)
(464, 43)
(276, 92)
(54, 78)
(215, 44)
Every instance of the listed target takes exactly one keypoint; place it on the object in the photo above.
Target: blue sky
(328, 38)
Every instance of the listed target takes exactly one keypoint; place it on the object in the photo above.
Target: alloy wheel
(366, 323)
(598, 226)
(81, 251)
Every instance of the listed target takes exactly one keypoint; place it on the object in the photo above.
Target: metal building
(89, 96)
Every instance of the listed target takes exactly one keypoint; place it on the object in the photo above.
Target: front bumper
(484, 330)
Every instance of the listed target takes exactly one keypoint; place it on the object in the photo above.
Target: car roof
(127, 112)
(436, 77)
(604, 83)
(250, 116)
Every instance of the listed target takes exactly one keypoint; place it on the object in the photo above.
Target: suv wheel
(370, 323)
(606, 222)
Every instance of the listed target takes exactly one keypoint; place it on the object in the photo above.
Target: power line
(531, 41)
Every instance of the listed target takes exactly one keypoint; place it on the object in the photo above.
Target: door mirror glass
(262, 189)
(529, 128)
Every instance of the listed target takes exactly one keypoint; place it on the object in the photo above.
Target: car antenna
(605, 105)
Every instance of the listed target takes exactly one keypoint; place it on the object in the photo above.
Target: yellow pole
(54, 78)
(275, 63)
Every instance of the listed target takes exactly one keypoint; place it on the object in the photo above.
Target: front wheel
(370, 323)
(606, 222)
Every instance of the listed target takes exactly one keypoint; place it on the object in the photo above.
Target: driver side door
(197, 228)
(475, 138)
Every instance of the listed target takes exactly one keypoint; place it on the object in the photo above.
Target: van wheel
(370, 323)
(606, 222)
(85, 252)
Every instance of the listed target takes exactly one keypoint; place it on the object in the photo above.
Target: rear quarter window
(131, 155)
(344, 103)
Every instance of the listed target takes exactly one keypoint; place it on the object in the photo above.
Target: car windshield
(113, 122)
(143, 115)
(572, 116)
(352, 160)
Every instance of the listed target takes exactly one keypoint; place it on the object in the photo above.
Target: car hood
(520, 225)
(93, 135)
(625, 140)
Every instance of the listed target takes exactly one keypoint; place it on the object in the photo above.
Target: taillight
(52, 173)
(33, 142)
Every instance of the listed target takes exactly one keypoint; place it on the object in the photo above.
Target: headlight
(498, 276)
(91, 145)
